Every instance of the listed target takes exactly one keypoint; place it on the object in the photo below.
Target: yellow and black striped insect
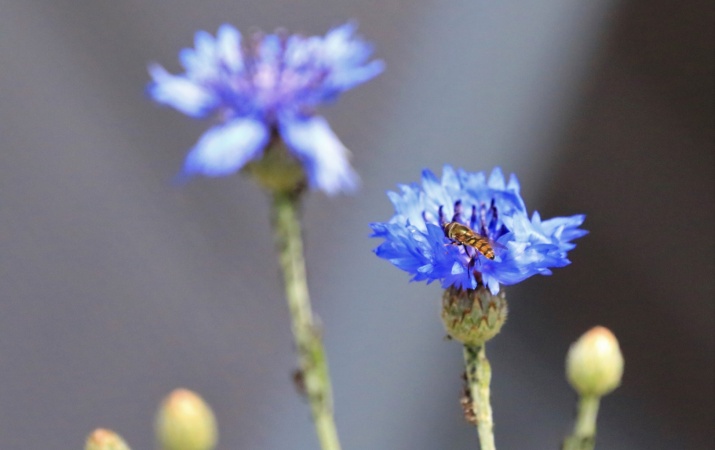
(463, 235)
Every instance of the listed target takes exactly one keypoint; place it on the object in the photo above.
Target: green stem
(479, 375)
(311, 354)
(584, 430)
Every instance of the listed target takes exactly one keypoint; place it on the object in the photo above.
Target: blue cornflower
(264, 89)
(416, 238)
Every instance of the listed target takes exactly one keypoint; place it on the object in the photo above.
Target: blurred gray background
(117, 286)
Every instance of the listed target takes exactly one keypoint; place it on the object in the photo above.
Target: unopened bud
(185, 422)
(472, 317)
(103, 439)
(594, 365)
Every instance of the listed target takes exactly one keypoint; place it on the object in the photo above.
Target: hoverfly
(463, 235)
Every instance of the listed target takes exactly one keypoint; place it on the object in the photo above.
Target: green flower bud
(185, 422)
(472, 317)
(102, 439)
(594, 364)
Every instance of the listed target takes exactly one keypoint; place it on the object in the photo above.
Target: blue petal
(200, 61)
(451, 182)
(224, 149)
(345, 56)
(513, 184)
(300, 51)
(496, 179)
(181, 93)
(324, 157)
(270, 49)
(493, 286)
(203, 43)
(228, 42)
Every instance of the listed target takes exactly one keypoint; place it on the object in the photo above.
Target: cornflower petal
(407, 206)
(347, 57)
(324, 157)
(229, 48)
(180, 93)
(201, 62)
(224, 149)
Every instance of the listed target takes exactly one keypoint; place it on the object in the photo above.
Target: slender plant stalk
(584, 430)
(479, 375)
(314, 376)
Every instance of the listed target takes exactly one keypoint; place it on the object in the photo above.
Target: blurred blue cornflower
(416, 238)
(265, 88)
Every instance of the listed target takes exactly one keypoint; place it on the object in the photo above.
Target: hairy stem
(479, 375)
(313, 373)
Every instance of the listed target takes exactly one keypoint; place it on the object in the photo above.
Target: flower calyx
(473, 316)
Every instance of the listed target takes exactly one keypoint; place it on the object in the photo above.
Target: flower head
(467, 230)
(264, 88)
